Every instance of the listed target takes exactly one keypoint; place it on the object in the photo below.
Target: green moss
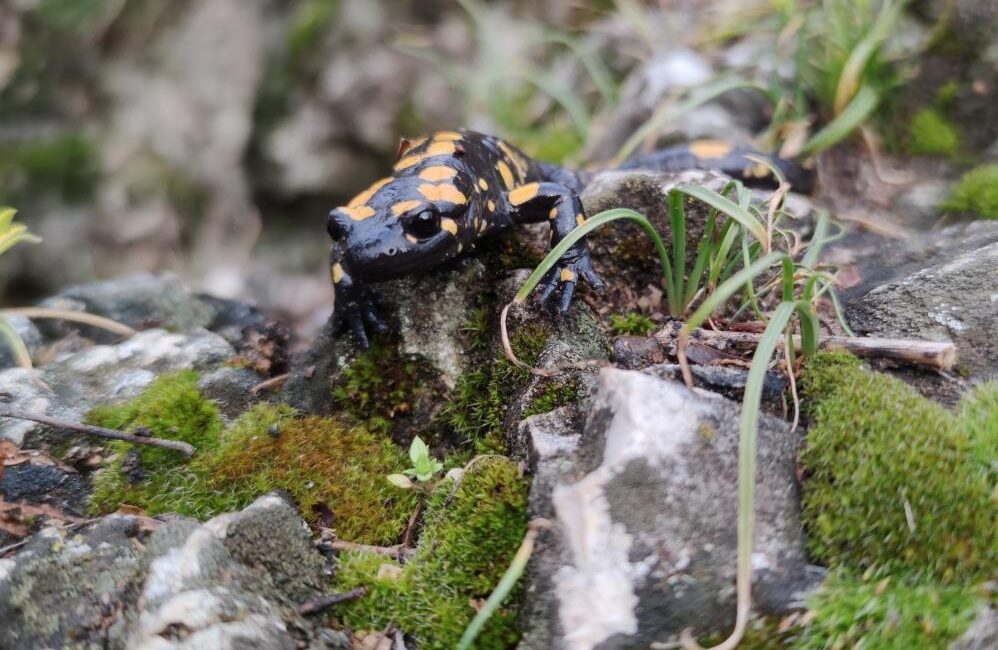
(468, 540)
(480, 400)
(887, 614)
(976, 192)
(64, 164)
(894, 481)
(931, 134)
(330, 469)
(309, 22)
(379, 384)
(632, 323)
(552, 395)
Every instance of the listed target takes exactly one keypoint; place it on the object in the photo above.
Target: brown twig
(111, 434)
(396, 552)
(539, 372)
(320, 603)
(410, 529)
(273, 382)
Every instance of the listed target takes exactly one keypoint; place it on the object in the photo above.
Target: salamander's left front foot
(573, 265)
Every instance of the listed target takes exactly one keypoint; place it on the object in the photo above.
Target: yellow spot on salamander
(507, 175)
(492, 205)
(484, 184)
(438, 173)
(337, 272)
(446, 135)
(435, 149)
(579, 219)
(710, 148)
(402, 207)
(412, 239)
(359, 212)
(518, 162)
(366, 195)
(449, 225)
(756, 171)
(524, 193)
(553, 214)
(567, 275)
(446, 192)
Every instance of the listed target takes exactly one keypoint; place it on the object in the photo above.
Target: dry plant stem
(938, 355)
(397, 552)
(321, 603)
(273, 382)
(70, 315)
(539, 372)
(100, 432)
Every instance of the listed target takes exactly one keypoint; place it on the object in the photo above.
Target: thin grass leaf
(726, 206)
(788, 278)
(860, 108)
(855, 65)
(677, 221)
(600, 74)
(706, 247)
(568, 99)
(839, 314)
(818, 241)
(719, 262)
(729, 288)
(501, 592)
(810, 328)
(694, 98)
(16, 344)
(579, 232)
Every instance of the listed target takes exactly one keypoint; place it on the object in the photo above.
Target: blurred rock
(982, 633)
(646, 507)
(231, 389)
(233, 582)
(76, 382)
(956, 301)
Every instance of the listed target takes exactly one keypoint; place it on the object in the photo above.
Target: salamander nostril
(392, 251)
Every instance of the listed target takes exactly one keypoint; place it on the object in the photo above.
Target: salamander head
(399, 225)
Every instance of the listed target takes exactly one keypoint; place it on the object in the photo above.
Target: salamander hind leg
(562, 208)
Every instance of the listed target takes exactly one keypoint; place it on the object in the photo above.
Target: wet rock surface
(644, 544)
(130, 582)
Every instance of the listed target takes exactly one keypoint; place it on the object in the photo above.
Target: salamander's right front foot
(358, 312)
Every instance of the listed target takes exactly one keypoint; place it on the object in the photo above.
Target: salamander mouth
(392, 262)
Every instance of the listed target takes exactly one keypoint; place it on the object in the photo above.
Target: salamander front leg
(562, 208)
(353, 304)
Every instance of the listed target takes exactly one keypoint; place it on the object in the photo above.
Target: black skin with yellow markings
(447, 191)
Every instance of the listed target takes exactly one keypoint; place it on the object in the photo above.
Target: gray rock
(76, 382)
(139, 301)
(646, 510)
(982, 633)
(232, 582)
(29, 334)
(956, 301)
(230, 389)
(45, 483)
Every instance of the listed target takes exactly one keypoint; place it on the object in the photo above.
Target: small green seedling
(424, 467)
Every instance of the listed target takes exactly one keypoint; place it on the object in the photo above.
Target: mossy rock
(335, 472)
(895, 482)
(850, 611)
(469, 537)
(976, 193)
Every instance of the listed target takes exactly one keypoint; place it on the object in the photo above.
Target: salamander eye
(423, 224)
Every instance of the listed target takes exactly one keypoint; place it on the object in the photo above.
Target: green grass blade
(860, 108)
(720, 260)
(501, 592)
(810, 328)
(788, 279)
(21, 355)
(726, 206)
(677, 220)
(730, 287)
(581, 231)
(839, 314)
(705, 248)
(694, 98)
(818, 241)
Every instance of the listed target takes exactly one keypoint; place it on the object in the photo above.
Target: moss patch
(480, 401)
(467, 543)
(335, 473)
(976, 192)
(552, 395)
(632, 323)
(66, 165)
(893, 480)
(931, 134)
(381, 384)
(887, 614)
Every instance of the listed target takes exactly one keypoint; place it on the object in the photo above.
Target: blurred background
(211, 137)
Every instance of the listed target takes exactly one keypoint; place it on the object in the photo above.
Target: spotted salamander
(450, 189)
